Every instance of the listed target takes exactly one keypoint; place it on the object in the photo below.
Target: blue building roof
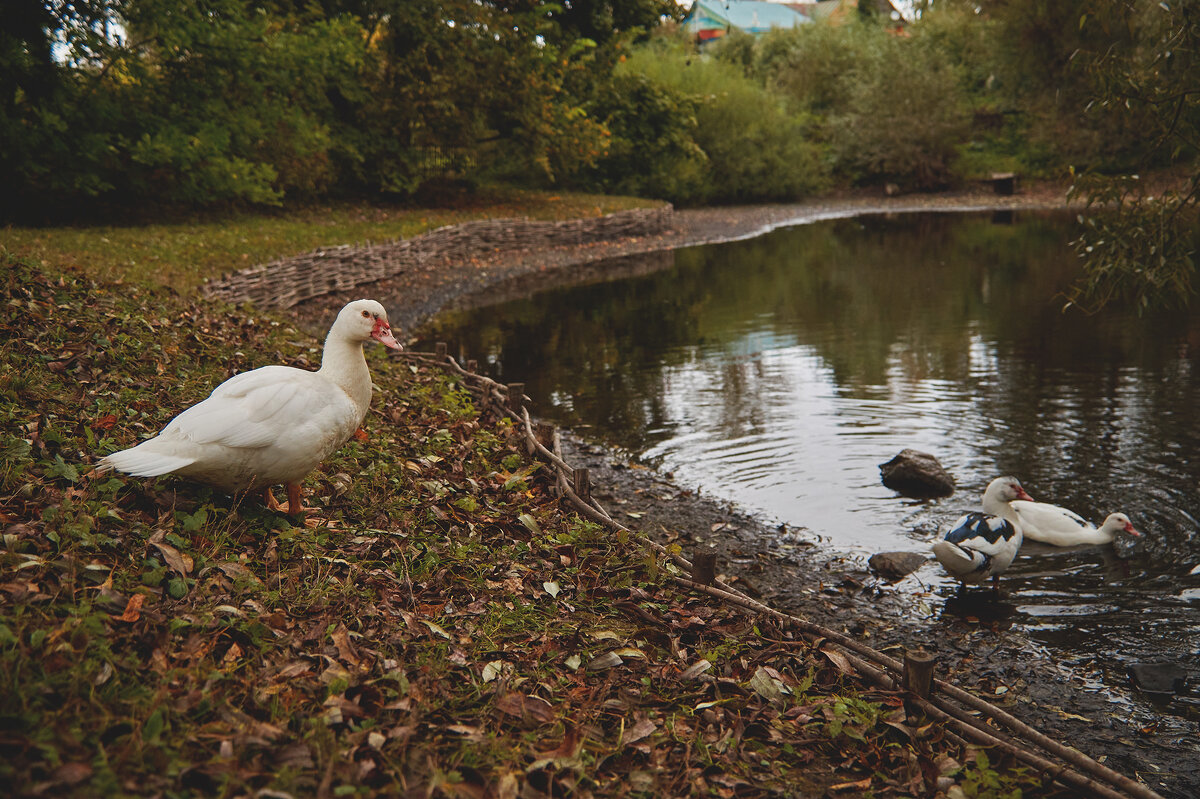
(752, 16)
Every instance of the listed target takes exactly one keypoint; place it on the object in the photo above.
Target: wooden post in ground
(918, 671)
(516, 396)
(544, 433)
(583, 485)
(704, 567)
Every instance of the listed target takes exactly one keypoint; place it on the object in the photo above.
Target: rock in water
(896, 565)
(917, 474)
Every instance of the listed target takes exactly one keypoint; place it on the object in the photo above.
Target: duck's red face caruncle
(382, 332)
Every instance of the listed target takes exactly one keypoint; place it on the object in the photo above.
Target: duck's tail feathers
(955, 559)
(142, 462)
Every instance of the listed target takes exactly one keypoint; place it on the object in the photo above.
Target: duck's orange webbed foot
(296, 506)
(269, 498)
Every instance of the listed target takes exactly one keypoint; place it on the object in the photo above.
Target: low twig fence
(289, 281)
(965, 715)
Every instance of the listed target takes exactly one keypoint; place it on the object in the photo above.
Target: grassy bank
(184, 253)
(446, 629)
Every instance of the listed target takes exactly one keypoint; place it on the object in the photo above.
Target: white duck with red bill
(1057, 526)
(272, 425)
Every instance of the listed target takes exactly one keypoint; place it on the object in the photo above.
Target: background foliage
(136, 104)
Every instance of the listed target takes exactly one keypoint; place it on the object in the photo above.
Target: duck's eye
(366, 314)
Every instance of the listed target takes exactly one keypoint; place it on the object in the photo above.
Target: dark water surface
(780, 371)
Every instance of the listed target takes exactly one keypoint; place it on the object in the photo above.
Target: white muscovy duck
(1051, 524)
(272, 425)
(983, 545)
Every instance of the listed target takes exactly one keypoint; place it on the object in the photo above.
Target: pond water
(779, 372)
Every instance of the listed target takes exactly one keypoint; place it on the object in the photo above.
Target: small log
(704, 567)
(583, 484)
(918, 671)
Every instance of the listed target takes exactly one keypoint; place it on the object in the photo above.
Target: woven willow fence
(289, 281)
(967, 717)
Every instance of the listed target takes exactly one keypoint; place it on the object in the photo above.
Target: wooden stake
(544, 433)
(704, 567)
(583, 485)
(516, 396)
(918, 671)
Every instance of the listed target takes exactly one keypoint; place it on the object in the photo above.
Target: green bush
(652, 151)
(756, 149)
(809, 64)
(901, 118)
(886, 108)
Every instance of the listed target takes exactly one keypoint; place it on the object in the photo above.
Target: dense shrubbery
(754, 147)
(209, 102)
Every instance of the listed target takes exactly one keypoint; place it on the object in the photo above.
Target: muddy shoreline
(789, 568)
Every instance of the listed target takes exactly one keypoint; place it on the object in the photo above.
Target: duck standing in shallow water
(983, 545)
(1057, 526)
(271, 425)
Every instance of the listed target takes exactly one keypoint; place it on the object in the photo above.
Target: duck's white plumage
(1055, 525)
(271, 425)
(983, 545)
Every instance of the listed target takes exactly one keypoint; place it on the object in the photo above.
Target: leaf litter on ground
(447, 627)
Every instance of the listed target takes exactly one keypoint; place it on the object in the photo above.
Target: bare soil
(789, 569)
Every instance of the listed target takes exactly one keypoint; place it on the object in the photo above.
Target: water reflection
(780, 371)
